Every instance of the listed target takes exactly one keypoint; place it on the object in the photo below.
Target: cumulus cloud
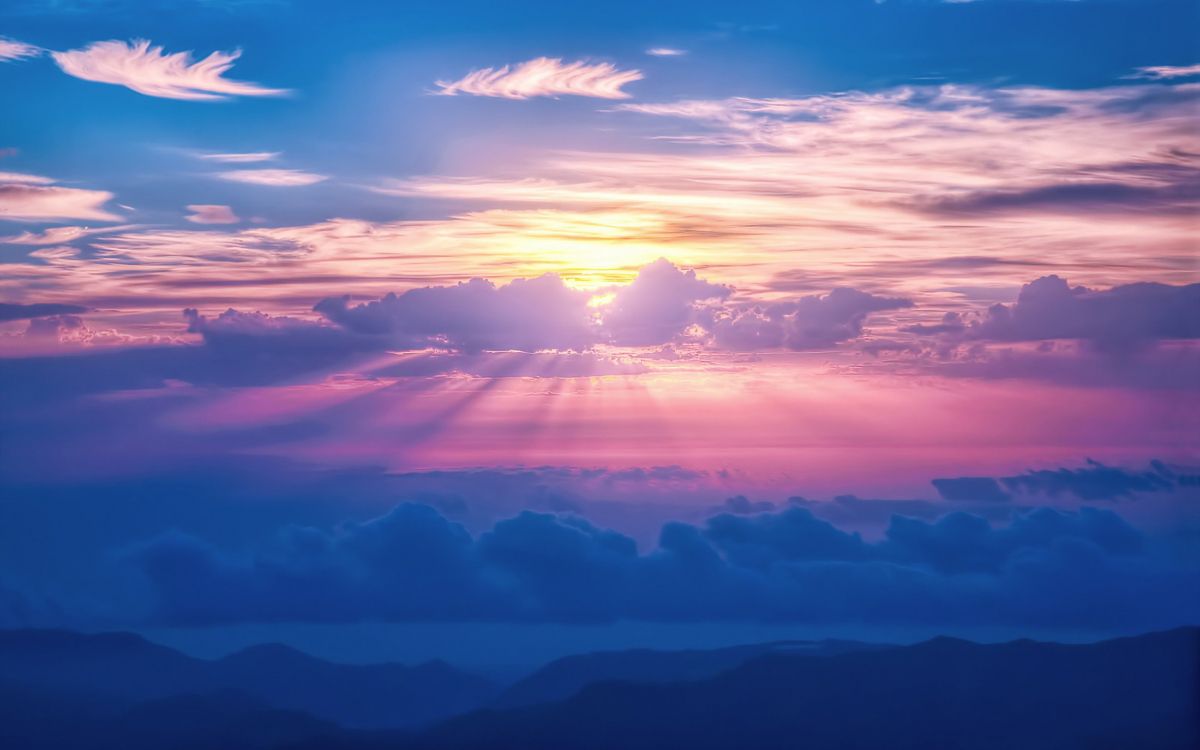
(148, 70)
(11, 49)
(29, 197)
(262, 335)
(812, 322)
(272, 177)
(204, 213)
(544, 76)
(525, 314)
(658, 305)
(11, 311)
(662, 304)
(1123, 317)
(1045, 568)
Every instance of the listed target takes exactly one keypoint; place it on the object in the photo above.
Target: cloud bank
(1045, 568)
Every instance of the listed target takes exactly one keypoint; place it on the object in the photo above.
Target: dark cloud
(952, 322)
(1046, 568)
(1178, 194)
(1093, 482)
(53, 326)
(1165, 366)
(11, 311)
(970, 488)
(743, 505)
(1122, 318)
(807, 323)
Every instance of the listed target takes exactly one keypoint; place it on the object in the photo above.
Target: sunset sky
(269, 270)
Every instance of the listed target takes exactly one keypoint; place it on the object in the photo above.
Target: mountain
(39, 718)
(126, 667)
(374, 696)
(564, 677)
(1141, 692)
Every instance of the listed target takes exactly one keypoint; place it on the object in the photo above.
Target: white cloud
(544, 76)
(148, 70)
(240, 158)
(1160, 72)
(273, 177)
(204, 213)
(665, 52)
(11, 49)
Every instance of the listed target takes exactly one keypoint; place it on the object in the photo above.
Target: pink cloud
(27, 197)
(148, 70)
(11, 49)
(211, 214)
(544, 76)
(272, 177)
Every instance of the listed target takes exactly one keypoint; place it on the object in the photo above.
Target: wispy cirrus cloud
(272, 177)
(148, 70)
(28, 197)
(11, 49)
(248, 157)
(211, 214)
(1160, 72)
(61, 235)
(544, 76)
(666, 52)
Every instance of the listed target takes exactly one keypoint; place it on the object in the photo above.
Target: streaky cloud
(544, 76)
(149, 70)
(26, 197)
(1162, 72)
(272, 177)
(248, 157)
(11, 49)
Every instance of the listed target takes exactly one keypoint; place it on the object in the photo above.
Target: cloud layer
(1046, 568)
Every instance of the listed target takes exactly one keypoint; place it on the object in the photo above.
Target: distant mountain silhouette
(86, 692)
(38, 718)
(1141, 692)
(375, 696)
(126, 667)
(564, 677)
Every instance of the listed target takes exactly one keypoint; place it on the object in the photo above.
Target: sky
(638, 322)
